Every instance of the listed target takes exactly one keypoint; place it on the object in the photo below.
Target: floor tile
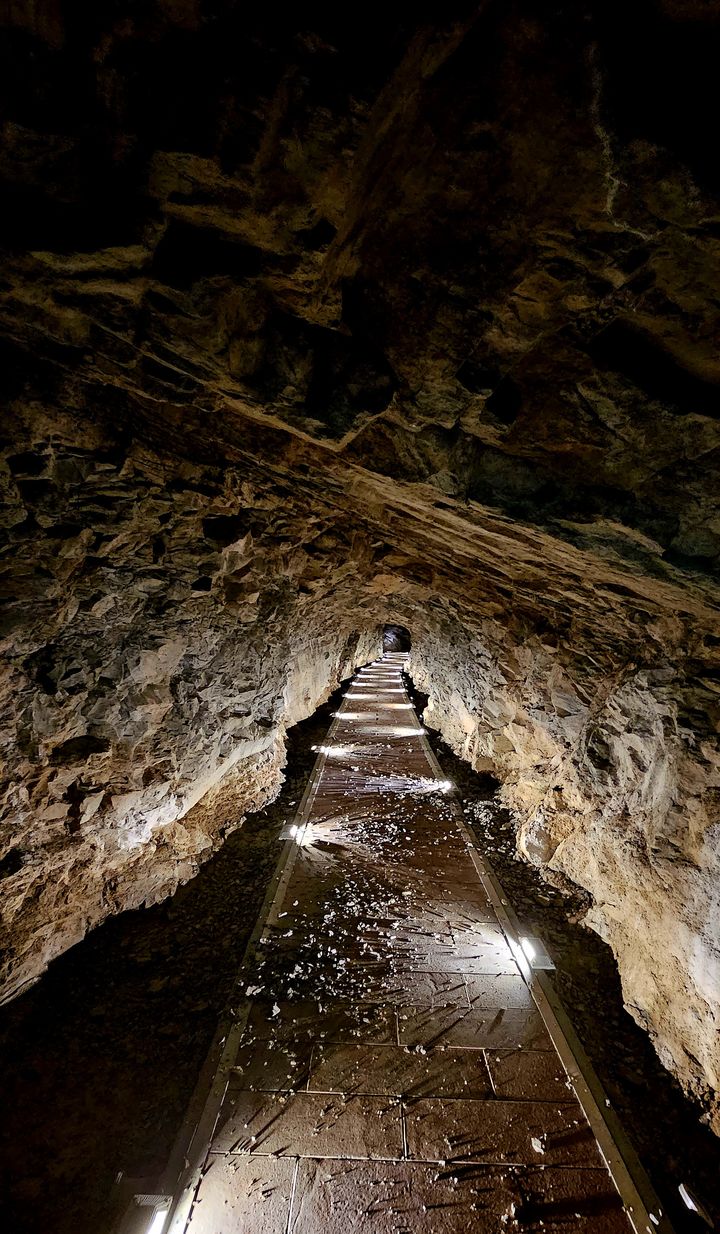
(499, 1132)
(315, 1021)
(339, 1197)
(568, 1201)
(240, 1194)
(402, 988)
(309, 1124)
(272, 1066)
(461, 958)
(490, 992)
(472, 1028)
(400, 1072)
(534, 1075)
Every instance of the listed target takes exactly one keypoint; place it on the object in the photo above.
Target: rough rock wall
(173, 622)
(613, 775)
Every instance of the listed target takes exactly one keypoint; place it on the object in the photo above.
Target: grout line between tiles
(293, 1190)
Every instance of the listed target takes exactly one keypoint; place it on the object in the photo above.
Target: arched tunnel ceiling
(311, 327)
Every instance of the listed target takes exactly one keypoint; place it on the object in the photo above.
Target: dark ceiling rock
(475, 225)
(309, 326)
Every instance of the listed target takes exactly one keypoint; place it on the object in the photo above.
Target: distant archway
(396, 638)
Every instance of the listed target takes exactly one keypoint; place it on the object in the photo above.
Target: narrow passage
(389, 1068)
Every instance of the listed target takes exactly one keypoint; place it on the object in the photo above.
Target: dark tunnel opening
(396, 638)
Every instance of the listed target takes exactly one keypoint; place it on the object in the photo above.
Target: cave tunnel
(396, 638)
(359, 611)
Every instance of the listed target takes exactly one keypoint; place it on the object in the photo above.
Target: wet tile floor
(394, 1073)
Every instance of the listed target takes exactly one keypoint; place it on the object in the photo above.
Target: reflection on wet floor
(394, 1072)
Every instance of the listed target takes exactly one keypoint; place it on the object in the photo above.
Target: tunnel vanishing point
(319, 330)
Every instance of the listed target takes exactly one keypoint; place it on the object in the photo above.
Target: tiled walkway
(393, 1072)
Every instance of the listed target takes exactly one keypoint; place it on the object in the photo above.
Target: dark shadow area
(338, 378)
(396, 638)
(100, 1058)
(662, 1123)
(624, 348)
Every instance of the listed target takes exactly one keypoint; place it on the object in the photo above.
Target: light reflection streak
(379, 690)
(374, 697)
(399, 785)
(380, 730)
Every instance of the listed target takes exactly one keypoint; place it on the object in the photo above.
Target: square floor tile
(238, 1194)
(535, 1075)
(568, 1201)
(465, 910)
